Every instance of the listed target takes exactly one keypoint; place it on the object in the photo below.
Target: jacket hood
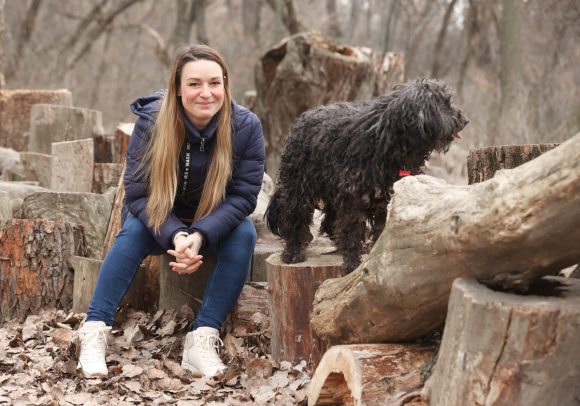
(148, 106)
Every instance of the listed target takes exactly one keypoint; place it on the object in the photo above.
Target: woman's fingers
(182, 268)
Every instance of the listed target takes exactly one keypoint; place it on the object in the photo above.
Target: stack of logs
(511, 335)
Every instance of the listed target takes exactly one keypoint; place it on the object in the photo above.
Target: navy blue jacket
(241, 191)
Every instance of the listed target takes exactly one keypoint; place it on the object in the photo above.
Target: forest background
(513, 63)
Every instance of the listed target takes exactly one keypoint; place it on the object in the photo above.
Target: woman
(194, 169)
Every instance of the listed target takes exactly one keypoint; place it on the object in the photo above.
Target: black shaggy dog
(344, 158)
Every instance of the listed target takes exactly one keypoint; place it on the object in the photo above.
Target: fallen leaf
(259, 367)
(131, 371)
(62, 337)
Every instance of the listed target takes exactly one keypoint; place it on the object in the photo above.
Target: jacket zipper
(202, 146)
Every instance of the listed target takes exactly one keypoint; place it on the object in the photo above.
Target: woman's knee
(244, 233)
(134, 230)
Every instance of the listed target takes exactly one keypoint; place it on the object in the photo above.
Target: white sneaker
(93, 343)
(200, 352)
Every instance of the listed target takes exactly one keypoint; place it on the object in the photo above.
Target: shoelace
(91, 339)
(210, 344)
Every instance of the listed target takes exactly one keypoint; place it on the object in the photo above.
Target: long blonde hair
(161, 161)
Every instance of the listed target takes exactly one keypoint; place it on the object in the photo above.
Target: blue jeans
(134, 242)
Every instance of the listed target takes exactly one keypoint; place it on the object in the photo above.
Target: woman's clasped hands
(186, 253)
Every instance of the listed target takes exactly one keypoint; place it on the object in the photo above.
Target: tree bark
(34, 265)
(483, 163)
(251, 314)
(291, 288)
(370, 374)
(505, 349)
(507, 232)
(311, 70)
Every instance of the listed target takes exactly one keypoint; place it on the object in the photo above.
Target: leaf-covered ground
(38, 360)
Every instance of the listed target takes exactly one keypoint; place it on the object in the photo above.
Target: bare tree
(26, 28)
(354, 17)
(286, 11)
(332, 15)
(2, 43)
(83, 43)
(251, 20)
(510, 120)
(391, 15)
(438, 49)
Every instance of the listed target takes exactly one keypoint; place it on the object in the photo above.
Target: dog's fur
(344, 158)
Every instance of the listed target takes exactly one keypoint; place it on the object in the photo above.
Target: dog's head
(428, 107)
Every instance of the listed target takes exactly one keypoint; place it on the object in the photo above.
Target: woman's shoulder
(244, 119)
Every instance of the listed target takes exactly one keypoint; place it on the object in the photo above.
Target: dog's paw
(293, 258)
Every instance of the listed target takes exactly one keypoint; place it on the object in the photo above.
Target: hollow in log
(507, 349)
(507, 232)
(370, 374)
(291, 288)
(34, 265)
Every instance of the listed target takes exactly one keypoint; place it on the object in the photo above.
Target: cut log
(291, 288)
(507, 232)
(105, 176)
(311, 70)
(483, 163)
(176, 290)
(15, 117)
(86, 273)
(251, 314)
(370, 374)
(507, 349)
(34, 265)
(115, 218)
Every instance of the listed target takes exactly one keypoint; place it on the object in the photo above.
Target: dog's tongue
(458, 136)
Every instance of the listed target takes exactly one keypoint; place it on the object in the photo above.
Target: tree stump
(483, 163)
(370, 374)
(176, 290)
(34, 265)
(292, 288)
(86, 273)
(507, 349)
(310, 70)
(105, 175)
(251, 313)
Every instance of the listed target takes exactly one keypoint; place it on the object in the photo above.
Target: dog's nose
(465, 120)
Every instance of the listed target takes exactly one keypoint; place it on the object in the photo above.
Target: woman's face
(202, 91)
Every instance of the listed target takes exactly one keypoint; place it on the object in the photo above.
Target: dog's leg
(350, 230)
(295, 231)
(378, 220)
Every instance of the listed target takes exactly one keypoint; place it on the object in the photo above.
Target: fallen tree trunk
(370, 374)
(507, 349)
(507, 232)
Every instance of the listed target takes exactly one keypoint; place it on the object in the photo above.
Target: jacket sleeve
(137, 186)
(242, 190)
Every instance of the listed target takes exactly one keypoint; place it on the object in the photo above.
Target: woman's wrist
(179, 234)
